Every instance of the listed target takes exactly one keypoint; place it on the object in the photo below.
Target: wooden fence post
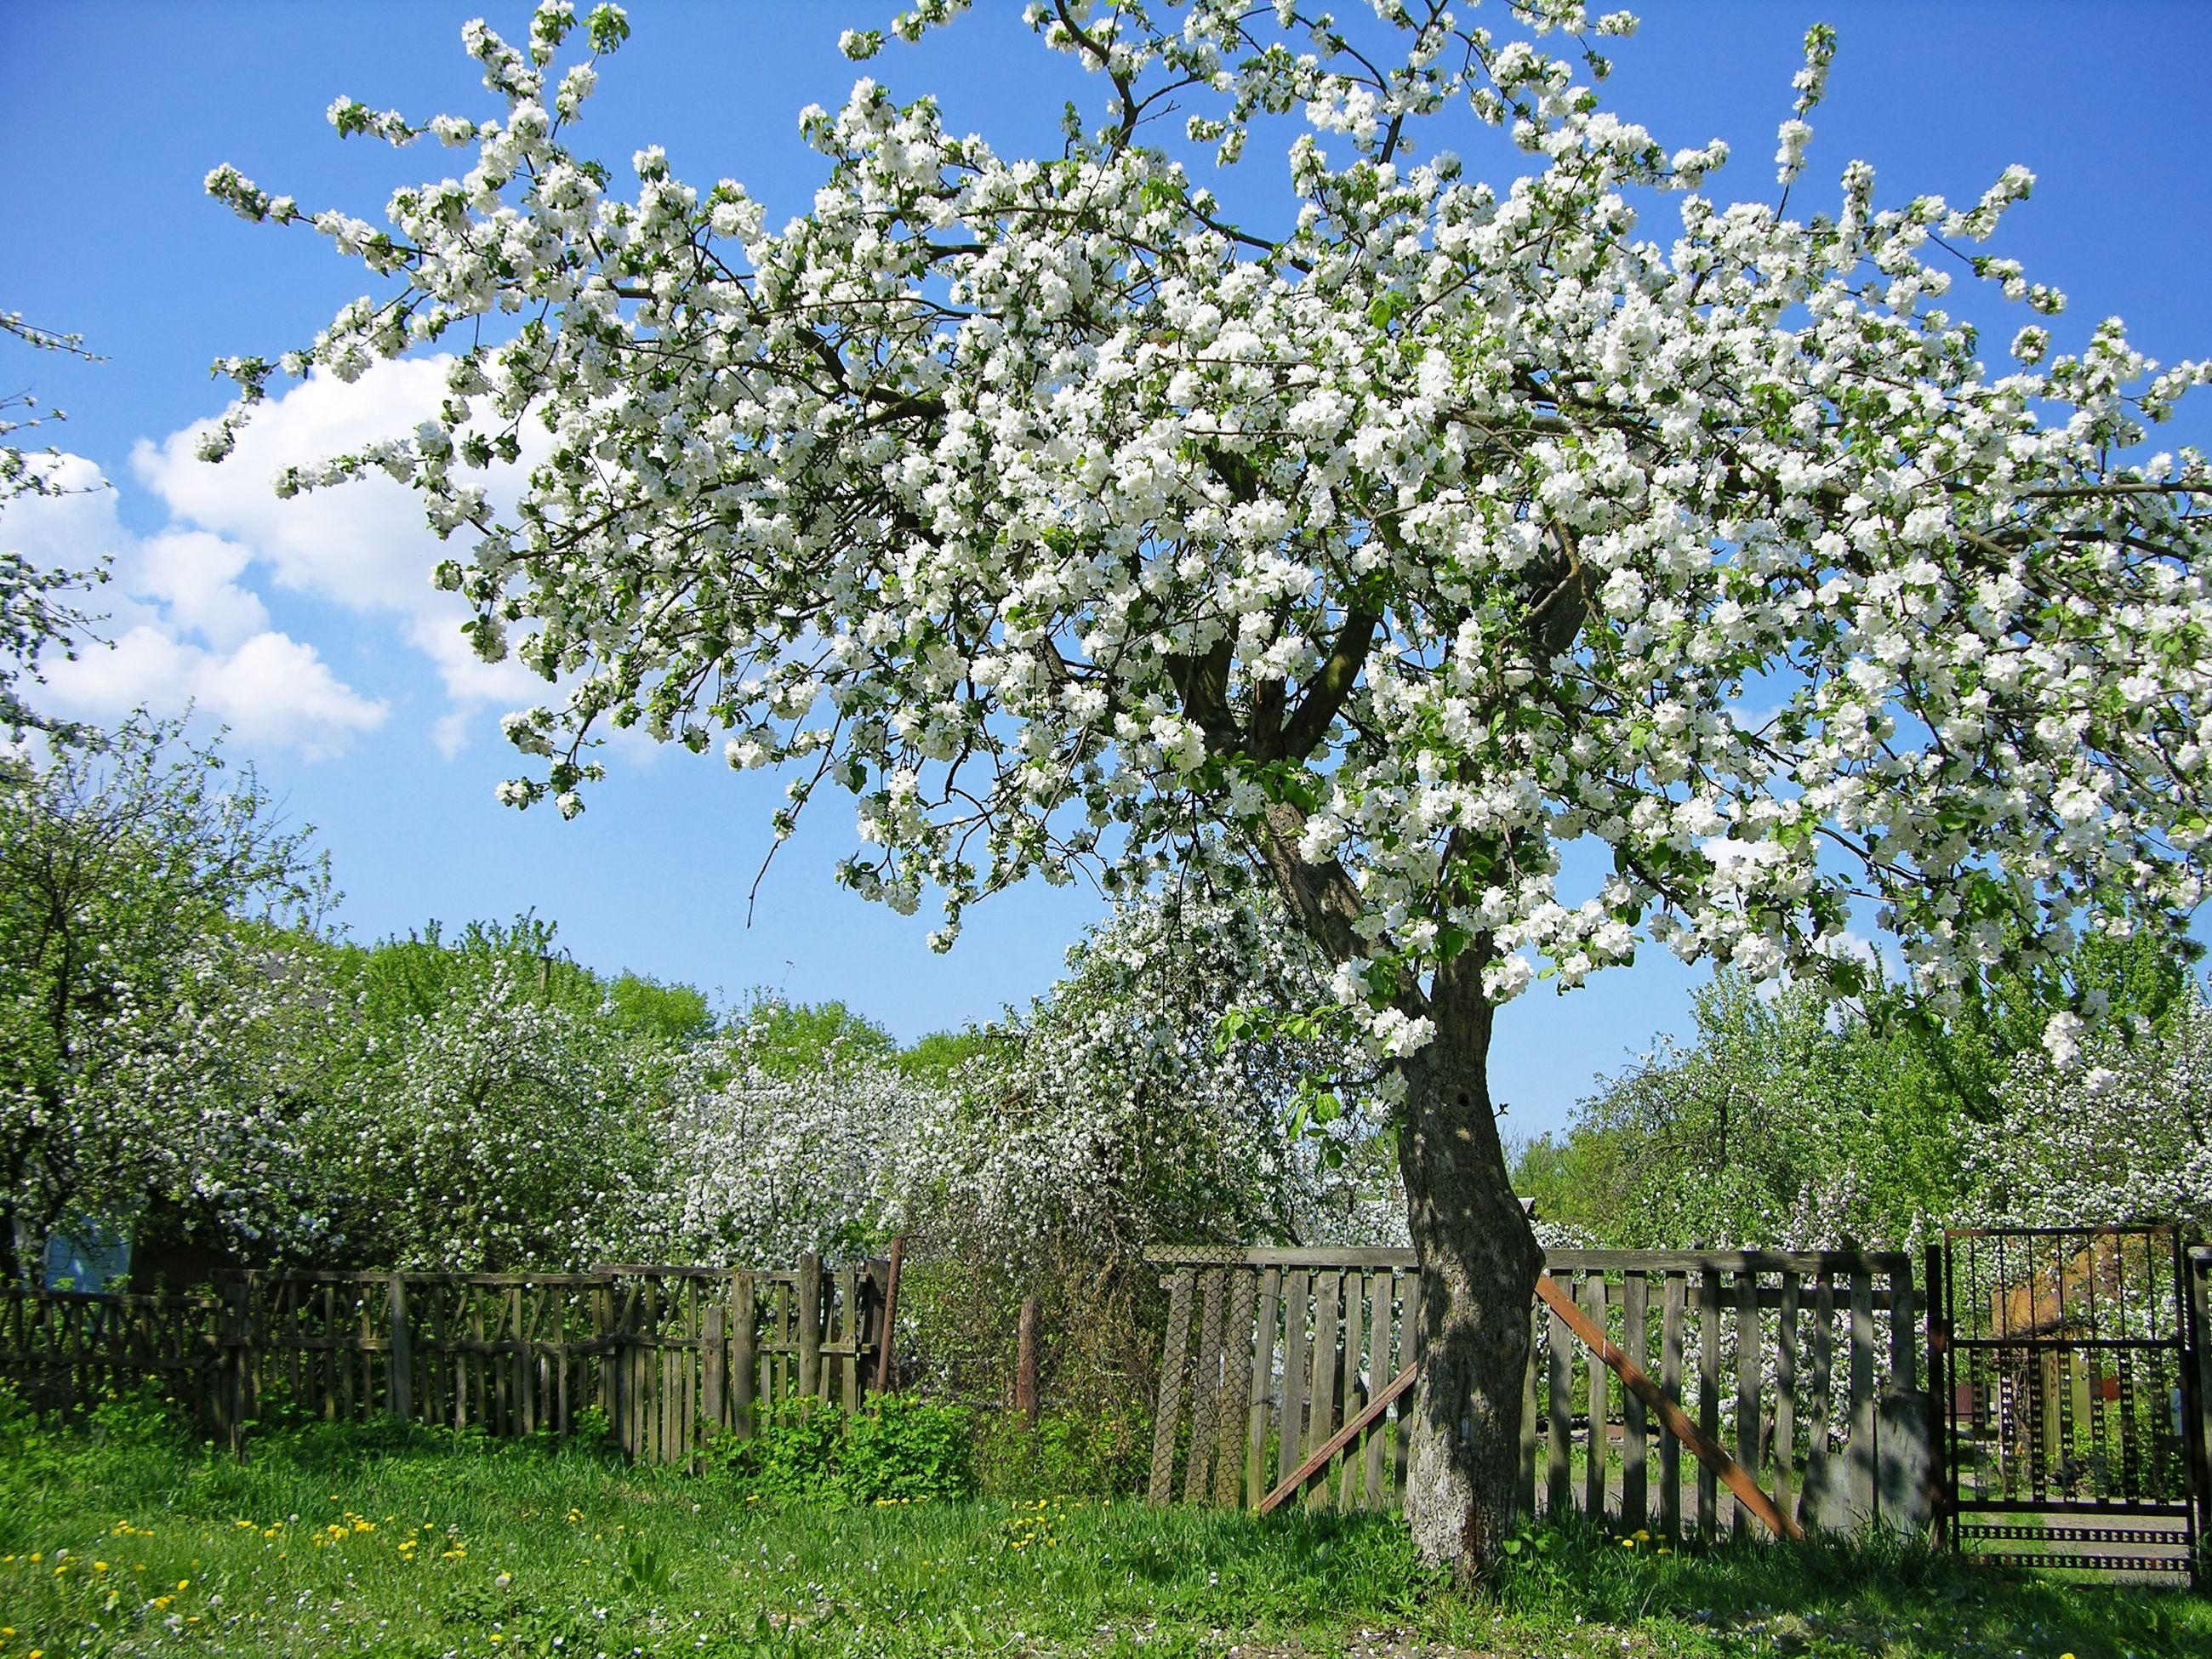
(2197, 1262)
(399, 1359)
(1939, 1397)
(887, 1360)
(743, 1314)
(713, 1370)
(238, 1310)
(1025, 1365)
(810, 1323)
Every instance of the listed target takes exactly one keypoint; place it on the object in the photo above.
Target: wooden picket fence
(671, 1356)
(1797, 1363)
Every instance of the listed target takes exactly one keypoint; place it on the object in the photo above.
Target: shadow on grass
(1874, 1594)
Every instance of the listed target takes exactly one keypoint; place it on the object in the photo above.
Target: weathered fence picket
(671, 1355)
(1270, 1353)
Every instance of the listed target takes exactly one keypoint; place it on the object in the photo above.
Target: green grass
(522, 1549)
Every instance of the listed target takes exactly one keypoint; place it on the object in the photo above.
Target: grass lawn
(364, 1541)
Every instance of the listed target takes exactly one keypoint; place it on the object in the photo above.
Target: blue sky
(310, 627)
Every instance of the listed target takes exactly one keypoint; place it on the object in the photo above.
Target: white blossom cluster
(1115, 1112)
(1409, 540)
(196, 1089)
(2121, 1132)
(157, 1044)
(495, 1132)
(36, 613)
(1108, 1114)
(758, 1165)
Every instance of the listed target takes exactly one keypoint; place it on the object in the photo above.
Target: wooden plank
(1324, 1258)
(1349, 1390)
(520, 1369)
(1170, 1404)
(849, 1364)
(1321, 1414)
(399, 1359)
(1725, 1261)
(603, 1326)
(1321, 1387)
(713, 1405)
(1316, 1462)
(1205, 1389)
(1709, 1395)
(1861, 1466)
(1674, 1311)
(1380, 1289)
(1599, 1401)
(2197, 1263)
(1785, 1396)
(1291, 1409)
(1558, 1489)
(1750, 1372)
(1411, 1341)
(1904, 1318)
(745, 1315)
(1256, 1473)
(1822, 1393)
(1635, 1426)
(886, 1374)
(1025, 1358)
(809, 1317)
(1228, 1471)
(1708, 1450)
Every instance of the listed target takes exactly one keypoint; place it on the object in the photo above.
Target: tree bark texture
(1479, 1254)
(1478, 1265)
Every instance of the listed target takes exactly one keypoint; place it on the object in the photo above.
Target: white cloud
(272, 691)
(362, 546)
(187, 612)
(195, 575)
(179, 628)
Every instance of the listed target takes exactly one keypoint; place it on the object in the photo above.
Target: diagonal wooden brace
(1308, 1472)
(1731, 1474)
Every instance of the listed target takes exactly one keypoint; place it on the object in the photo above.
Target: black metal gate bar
(2070, 1361)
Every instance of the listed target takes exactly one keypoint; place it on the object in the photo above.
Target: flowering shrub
(2124, 1135)
(495, 1131)
(1114, 1112)
(757, 1165)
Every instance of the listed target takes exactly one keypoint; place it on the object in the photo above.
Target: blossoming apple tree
(1403, 539)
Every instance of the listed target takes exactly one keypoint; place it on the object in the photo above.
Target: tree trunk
(1479, 1266)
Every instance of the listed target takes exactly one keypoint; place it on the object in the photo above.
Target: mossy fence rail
(1805, 1367)
(670, 1356)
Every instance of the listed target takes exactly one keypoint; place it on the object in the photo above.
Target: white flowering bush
(1404, 532)
(760, 1159)
(1133, 1107)
(2123, 1134)
(501, 1129)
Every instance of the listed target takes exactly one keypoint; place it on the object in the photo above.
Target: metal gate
(2069, 1387)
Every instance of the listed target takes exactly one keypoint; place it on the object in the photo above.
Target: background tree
(156, 1031)
(504, 1123)
(1404, 538)
(37, 613)
(1790, 1119)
